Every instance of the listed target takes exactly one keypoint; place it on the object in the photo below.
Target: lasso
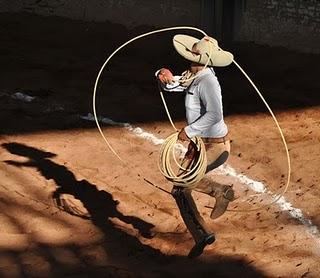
(193, 175)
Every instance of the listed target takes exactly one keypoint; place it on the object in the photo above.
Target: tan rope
(192, 176)
(182, 177)
(107, 61)
(283, 141)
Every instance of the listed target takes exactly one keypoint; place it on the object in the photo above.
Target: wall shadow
(59, 69)
(127, 256)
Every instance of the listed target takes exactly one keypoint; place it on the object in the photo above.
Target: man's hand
(165, 76)
(182, 136)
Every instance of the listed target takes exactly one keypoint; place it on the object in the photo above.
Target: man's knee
(179, 192)
(218, 162)
(176, 191)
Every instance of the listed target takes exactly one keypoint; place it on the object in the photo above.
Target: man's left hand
(182, 136)
(165, 76)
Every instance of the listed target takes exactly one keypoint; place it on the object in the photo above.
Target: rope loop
(186, 177)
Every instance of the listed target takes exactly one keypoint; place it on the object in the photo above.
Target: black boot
(197, 249)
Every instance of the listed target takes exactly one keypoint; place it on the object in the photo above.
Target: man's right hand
(165, 76)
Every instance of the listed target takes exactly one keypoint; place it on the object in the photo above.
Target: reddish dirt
(70, 208)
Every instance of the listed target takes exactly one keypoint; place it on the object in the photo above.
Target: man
(204, 113)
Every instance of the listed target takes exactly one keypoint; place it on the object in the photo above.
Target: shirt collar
(206, 71)
(202, 73)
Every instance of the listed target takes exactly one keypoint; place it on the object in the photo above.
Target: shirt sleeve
(174, 87)
(210, 96)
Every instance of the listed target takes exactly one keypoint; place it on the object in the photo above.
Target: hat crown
(205, 45)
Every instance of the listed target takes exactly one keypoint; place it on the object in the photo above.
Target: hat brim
(219, 58)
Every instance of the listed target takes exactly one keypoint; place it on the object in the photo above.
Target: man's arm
(167, 81)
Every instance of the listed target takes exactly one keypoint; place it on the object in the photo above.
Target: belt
(208, 140)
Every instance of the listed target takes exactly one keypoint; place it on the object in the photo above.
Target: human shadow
(99, 204)
(125, 250)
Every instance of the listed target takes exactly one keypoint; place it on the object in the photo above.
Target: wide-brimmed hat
(199, 51)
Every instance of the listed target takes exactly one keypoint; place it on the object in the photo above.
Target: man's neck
(196, 68)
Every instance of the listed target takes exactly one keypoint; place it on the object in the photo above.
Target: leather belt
(208, 140)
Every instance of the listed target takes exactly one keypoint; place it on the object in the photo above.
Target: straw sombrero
(198, 51)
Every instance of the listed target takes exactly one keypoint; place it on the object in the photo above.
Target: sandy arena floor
(70, 208)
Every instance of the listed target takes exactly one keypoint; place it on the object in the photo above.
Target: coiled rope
(184, 177)
(192, 176)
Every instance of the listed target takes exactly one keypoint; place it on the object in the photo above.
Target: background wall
(291, 23)
(294, 24)
(127, 12)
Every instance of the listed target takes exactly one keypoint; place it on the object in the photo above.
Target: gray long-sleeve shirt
(203, 102)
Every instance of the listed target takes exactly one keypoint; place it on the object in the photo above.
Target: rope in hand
(107, 61)
(184, 177)
(190, 176)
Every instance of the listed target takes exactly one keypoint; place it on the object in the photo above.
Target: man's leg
(193, 220)
(223, 194)
(217, 154)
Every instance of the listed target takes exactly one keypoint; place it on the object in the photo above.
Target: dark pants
(217, 154)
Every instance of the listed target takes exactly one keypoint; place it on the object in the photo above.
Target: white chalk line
(256, 186)
(23, 97)
(19, 95)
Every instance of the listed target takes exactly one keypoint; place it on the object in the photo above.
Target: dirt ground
(70, 208)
